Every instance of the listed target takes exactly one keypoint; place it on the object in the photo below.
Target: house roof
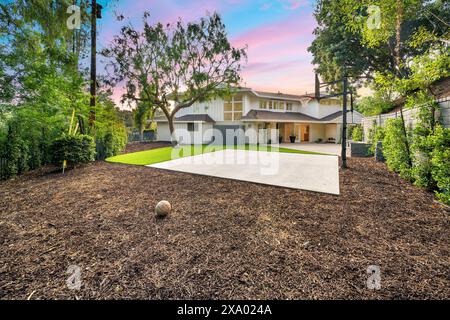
(264, 115)
(279, 95)
(188, 118)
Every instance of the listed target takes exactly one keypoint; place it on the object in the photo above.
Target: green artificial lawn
(169, 153)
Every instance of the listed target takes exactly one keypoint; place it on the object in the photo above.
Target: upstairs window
(289, 106)
(262, 104)
(233, 108)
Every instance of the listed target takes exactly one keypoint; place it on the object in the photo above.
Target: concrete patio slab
(298, 171)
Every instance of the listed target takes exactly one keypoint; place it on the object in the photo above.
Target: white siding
(311, 109)
(201, 136)
(163, 132)
(212, 108)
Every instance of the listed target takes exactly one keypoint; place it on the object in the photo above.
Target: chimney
(317, 86)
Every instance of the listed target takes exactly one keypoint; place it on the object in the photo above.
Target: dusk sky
(277, 32)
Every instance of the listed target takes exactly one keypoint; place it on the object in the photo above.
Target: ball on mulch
(163, 208)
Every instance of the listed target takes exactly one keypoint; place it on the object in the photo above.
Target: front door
(305, 133)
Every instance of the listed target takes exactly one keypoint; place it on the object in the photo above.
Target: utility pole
(344, 123)
(95, 14)
(93, 62)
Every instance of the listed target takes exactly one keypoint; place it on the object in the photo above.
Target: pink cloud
(292, 27)
(278, 59)
(293, 4)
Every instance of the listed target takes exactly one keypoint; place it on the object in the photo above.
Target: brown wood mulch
(224, 239)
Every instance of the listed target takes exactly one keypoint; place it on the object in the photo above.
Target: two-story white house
(301, 118)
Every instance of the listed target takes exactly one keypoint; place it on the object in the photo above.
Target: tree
(42, 80)
(374, 43)
(373, 105)
(338, 49)
(174, 63)
(142, 113)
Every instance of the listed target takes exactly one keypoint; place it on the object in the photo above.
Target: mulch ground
(224, 239)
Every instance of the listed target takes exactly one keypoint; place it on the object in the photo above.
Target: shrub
(112, 142)
(357, 133)
(421, 148)
(440, 161)
(376, 133)
(75, 149)
(395, 148)
(16, 152)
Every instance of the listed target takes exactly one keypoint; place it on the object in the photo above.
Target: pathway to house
(329, 148)
(298, 171)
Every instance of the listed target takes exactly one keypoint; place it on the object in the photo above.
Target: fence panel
(136, 136)
(443, 114)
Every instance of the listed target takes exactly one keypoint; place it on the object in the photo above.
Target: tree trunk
(173, 138)
(398, 61)
(398, 34)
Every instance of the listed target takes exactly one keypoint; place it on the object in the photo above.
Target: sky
(277, 33)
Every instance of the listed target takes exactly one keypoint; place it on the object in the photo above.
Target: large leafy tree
(42, 78)
(170, 67)
(348, 36)
(337, 49)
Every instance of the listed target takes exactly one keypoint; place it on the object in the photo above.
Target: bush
(395, 148)
(440, 162)
(15, 151)
(376, 133)
(75, 149)
(421, 147)
(357, 133)
(112, 142)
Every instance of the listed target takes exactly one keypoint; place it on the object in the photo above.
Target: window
(280, 105)
(192, 127)
(233, 108)
(289, 106)
(262, 104)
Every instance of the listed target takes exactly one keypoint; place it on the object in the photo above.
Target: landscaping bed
(224, 239)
